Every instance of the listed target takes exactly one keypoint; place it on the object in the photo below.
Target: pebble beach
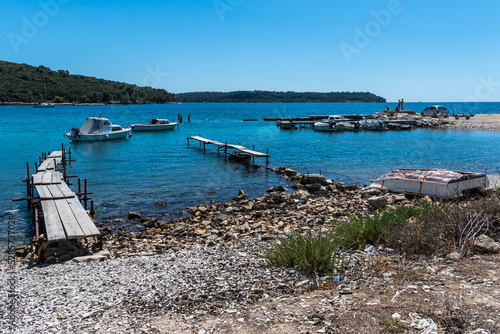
(203, 274)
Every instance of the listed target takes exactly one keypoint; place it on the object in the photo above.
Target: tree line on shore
(24, 83)
(269, 96)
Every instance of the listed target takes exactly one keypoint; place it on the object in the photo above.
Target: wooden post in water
(188, 141)
(267, 157)
(28, 185)
(85, 193)
(253, 157)
(225, 151)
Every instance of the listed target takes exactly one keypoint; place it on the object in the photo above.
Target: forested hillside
(24, 83)
(266, 96)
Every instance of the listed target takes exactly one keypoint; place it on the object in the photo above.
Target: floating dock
(240, 152)
(62, 214)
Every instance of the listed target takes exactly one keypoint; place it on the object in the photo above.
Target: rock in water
(313, 178)
(134, 215)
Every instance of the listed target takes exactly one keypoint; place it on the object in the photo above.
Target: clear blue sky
(419, 50)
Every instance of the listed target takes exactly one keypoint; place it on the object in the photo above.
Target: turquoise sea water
(135, 173)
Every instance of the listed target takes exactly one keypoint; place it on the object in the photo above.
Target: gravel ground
(202, 274)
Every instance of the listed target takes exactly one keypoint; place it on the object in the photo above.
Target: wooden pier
(240, 152)
(62, 214)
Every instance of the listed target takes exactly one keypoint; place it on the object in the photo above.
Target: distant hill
(24, 83)
(267, 96)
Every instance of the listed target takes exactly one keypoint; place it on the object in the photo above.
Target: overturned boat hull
(438, 183)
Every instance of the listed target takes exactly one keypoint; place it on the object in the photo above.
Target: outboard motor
(75, 132)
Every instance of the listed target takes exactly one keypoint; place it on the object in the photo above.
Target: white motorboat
(97, 128)
(439, 183)
(328, 127)
(155, 125)
(350, 126)
(372, 125)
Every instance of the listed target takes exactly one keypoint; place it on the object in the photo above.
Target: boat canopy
(431, 175)
(94, 125)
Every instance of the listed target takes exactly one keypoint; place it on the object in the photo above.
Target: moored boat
(349, 126)
(439, 183)
(328, 127)
(372, 125)
(96, 129)
(398, 127)
(154, 125)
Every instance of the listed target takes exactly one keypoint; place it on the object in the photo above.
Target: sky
(419, 50)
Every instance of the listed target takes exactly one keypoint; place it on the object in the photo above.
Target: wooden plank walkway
(64, 215)
(239, 148)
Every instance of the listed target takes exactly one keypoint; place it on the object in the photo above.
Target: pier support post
(267, 157)
(28, 185)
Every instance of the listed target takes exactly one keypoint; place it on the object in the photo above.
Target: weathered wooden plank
(55, 191)
(53, 225)
(56, 178)
(65, 190)
(47, 178)
(68, 219)
(37, 178)
(55, 154)
(43, 192)
(86, 224)
(47, 164)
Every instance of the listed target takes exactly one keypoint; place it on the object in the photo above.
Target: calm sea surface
(135, 173)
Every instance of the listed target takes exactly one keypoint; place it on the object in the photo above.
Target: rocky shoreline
(203, 274)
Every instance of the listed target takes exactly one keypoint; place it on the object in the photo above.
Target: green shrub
(313, 253)
(425, 228)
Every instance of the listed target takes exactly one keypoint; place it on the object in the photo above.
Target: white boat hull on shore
(435, 183)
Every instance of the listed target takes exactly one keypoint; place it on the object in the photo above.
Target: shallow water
(135, 173)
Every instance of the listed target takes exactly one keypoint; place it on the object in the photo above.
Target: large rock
(313, 178)
(370, 192)
(241, 195)
(275, 189)
(313, 187)
(134, 215)
(180, 229)
(378, 202)
(290, 172)
(486, 244)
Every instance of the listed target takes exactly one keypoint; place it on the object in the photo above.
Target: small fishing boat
(438, 183)
(349, 126)
(242, 157)
(398, 127)
(372, 125)
(154, 125)
(96, 129)
(328, 127)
